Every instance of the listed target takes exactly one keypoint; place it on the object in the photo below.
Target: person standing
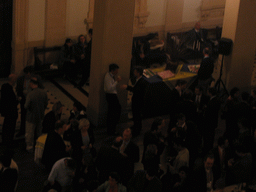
(137, 99)
(206, 69)
(67, 59)
(9, 110)
(88, 51)
(22, 89)
(211, 116)
(131, 152)
(55, 147)
(36, 103)
(80, 53)
(114, 108)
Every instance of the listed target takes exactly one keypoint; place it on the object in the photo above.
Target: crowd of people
(66, 147)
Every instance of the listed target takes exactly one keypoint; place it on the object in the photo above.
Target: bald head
(198, 25)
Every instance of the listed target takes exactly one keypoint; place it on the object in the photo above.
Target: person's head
(157, 125)
(138, 72)
(197, 25)
(127, 134)
(223, 142)
(74, 124)
(118, 142)
(81, 39)
(150, 173)
(33, 82)
(182, 84)
(198, 90)
(12, 78)
(151, 150)
(187, 95)
(181, 118)
(90, 32)
(183, 172)
(77, 106)
(206, 51)
(178, 143)
(212, 91)
(28, 71)
(208, 161)
(68, 42)
(71, 165)
(60, 127)
(57, 107)
(114, 179)
(113, 68)
(84, 124)
(234, 92)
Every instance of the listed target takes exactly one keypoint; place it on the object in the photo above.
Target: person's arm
(52, 176)
(27, 103)
(109, 84)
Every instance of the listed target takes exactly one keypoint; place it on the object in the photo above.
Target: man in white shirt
(62, 173)
(114, 108)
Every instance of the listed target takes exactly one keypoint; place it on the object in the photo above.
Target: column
(19, 36)
(239, 25)
(112, 43)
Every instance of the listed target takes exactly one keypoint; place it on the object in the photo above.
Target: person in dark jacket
(51, 117)
(82, 141)
(205, 71)
(9, 110)
(55, 147)
(138, 91)
(80, 53)
(8, 176)
(87, 67)
(67, 59)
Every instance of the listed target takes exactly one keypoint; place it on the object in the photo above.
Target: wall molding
(212, 9)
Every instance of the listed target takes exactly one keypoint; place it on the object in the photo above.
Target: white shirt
(182, 159)
(110, 83)
(60, 173)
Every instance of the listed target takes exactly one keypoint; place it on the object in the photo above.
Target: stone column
(89, 19)
(112, 43)
(19, 36)
(240, 25)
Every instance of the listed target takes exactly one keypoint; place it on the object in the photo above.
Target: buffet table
(157, 100)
